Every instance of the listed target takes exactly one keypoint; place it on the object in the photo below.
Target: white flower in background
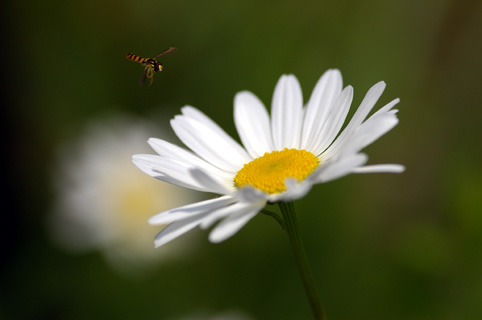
(103, 201)
(230, 315)
(283, 155)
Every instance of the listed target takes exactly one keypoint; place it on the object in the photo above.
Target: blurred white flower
(229, 315)
(103, 201)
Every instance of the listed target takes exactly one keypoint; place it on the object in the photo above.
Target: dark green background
(382, 246)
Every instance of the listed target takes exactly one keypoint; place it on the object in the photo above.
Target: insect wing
(142, 80)
(167, 51)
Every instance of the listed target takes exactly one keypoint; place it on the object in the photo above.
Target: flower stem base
(291, 227)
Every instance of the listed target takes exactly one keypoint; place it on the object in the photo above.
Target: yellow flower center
(268, 173)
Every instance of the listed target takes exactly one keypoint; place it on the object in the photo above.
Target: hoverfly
(151, 64)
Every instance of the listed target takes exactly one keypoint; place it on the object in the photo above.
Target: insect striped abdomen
(133, 57)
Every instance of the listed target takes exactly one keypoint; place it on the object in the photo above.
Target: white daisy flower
(283, 156)
(92, 211)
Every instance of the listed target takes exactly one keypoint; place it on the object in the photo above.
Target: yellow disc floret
(268, 173)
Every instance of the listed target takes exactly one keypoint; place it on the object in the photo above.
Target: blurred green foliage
(382, 246)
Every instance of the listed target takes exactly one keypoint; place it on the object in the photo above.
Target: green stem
(291, 223)
(275, 216)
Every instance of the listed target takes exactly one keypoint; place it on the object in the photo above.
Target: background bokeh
(382, 246)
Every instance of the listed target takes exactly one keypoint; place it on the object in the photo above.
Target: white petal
(341, 167)
(287, 113)
(178, 173)
(211, 183)
(220, 213)
(388, 106)
(334, 122)
(146, 162)
(372, 129)
(250, 195)
(376, 168)
(321, 102)
(366, 106)
(294, 190)
(234, 222)
(252, 123)
(172, 151)
(177, 229)
(193, 113)
(167, 170)
(190, 210)
(220, 150)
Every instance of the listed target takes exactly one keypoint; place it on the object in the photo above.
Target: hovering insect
(151, 64)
